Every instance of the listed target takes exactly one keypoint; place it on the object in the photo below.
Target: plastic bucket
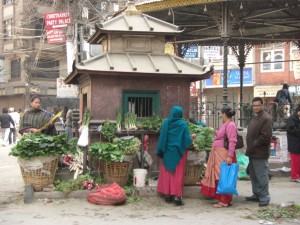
(139, 177)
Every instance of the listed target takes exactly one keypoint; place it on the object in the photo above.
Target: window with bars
(15, 67)
(7, 29)
(141, 103)
(46, 68)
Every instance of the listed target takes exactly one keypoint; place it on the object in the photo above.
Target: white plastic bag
(84, 137)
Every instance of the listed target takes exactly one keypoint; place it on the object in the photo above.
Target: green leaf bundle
(38, 144)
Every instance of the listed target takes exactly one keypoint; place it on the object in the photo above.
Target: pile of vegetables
(38, 144)
(204, 137)
(130, 121)
(119, 121)
(106, 151)
(86, 181)
(130, 145)
(153, 123)
(108, 130)
(115, 151)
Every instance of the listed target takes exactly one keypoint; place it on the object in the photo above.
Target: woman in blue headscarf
(173, 141)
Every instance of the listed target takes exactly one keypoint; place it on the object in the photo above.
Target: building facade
(31, 63)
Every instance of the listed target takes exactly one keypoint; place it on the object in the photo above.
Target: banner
(233, 78)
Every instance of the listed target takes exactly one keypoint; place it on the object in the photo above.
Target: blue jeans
(69, 132)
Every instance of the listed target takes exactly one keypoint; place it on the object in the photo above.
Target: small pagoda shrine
(133, 73)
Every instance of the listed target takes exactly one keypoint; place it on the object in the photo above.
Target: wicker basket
(192, 174)
(38, 178)
(116, 172)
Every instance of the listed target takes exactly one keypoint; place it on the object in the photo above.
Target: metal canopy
(240, 24)
(208, 22)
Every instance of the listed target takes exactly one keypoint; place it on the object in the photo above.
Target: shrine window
(141, 103)
(272, 60)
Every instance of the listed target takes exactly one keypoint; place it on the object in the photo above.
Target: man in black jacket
(284, 101)
(258, 140)
(5, 120)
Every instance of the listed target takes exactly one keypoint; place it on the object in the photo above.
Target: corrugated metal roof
(140, 64)
(138, 23)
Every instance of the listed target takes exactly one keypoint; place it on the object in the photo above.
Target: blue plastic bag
(228, 179)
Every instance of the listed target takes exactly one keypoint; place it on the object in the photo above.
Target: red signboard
(57, 20)
(54, 36)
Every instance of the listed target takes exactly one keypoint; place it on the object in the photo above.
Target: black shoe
(263, 203)
(178, 201)
(169, 199)
(252, 198)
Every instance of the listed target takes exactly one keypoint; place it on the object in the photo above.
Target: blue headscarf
(174, 139)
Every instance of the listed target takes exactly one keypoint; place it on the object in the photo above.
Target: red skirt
(212, 175)
(172, 183)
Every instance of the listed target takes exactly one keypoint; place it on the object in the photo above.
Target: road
(150, 210)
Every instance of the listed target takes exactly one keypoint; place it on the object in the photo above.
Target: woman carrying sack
(220, 154)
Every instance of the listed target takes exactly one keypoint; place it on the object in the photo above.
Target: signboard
(55, 36)
(211, 52)
(66, 90)
(280, 153)
(192, 52)
(294, 90)
(9, 91)
(57, 20)
(266, 90)
(233, 78)
(169, 49)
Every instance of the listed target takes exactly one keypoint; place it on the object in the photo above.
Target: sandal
(220, 205)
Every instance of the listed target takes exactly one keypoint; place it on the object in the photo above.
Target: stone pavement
(12, 186)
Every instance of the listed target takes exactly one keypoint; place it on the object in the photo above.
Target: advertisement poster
(233, 78)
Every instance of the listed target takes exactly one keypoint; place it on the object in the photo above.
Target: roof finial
(131, 9)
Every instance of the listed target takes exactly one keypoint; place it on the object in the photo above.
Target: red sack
(108, 194)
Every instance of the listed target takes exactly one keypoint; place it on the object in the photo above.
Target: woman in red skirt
(220, 154)
(173, 141)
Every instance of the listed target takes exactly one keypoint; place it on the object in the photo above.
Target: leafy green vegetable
(106, 151)
(128, 146)
(204, 137)
(108, 130)
(38, 144)
(154, 123)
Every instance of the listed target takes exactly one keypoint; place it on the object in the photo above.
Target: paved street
(150, 210)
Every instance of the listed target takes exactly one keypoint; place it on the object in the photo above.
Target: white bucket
(139, 177)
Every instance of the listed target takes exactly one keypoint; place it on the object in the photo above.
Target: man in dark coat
(293, 138)
(5, 120)
(258, 140)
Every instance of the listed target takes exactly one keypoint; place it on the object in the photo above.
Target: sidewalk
(12, 186)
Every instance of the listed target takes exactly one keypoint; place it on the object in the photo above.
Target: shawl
(174, 139)
(36, 118)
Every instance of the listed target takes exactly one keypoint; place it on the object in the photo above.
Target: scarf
(174, 139)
